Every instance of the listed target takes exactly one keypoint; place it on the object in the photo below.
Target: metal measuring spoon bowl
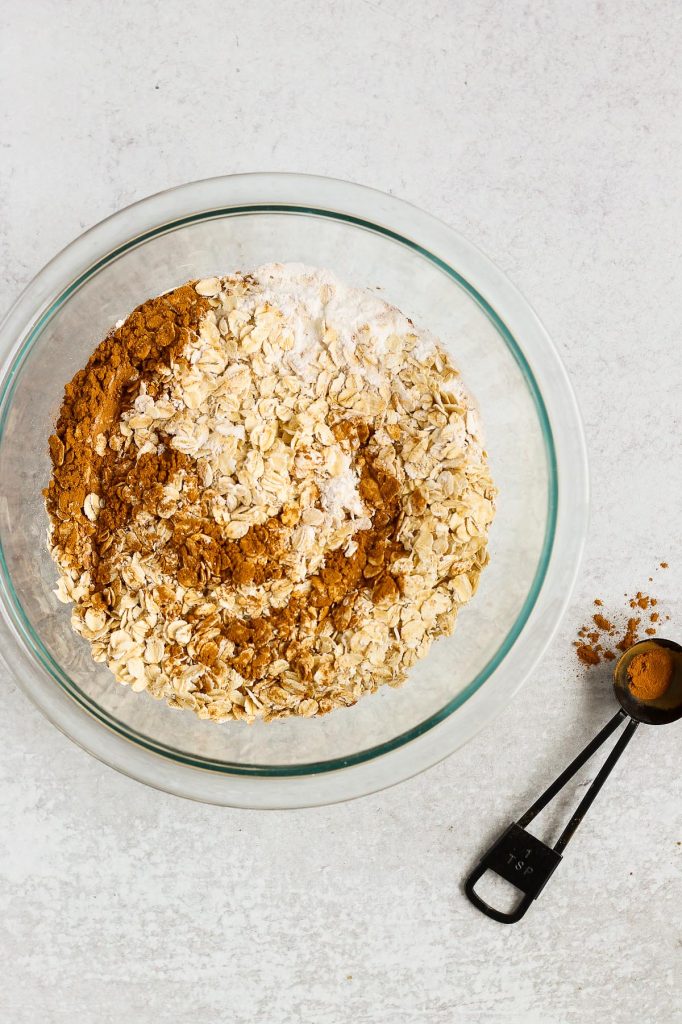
(523, 859)
(662, 709)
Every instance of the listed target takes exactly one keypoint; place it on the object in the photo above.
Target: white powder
(313, 300)
(339, 494)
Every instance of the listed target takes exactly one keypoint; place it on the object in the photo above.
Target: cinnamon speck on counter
(631, 636)
(588, 655)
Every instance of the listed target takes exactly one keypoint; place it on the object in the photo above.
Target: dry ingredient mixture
(650, 673)
(602, 639)
(269, 495)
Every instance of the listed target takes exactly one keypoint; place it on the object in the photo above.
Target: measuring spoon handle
(526, 861)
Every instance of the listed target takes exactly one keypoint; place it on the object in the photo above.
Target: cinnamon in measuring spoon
(650, 674)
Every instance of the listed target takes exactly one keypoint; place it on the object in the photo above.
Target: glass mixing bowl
(533, 433)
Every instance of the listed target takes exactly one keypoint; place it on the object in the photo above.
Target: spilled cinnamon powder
(588, 654)
(631, 635)
(603, 640)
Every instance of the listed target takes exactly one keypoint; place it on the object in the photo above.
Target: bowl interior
(435, 296)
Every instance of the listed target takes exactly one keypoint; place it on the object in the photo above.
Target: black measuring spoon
(527, 862)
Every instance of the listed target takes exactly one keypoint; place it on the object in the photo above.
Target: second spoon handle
(526, 861)
(597, 783)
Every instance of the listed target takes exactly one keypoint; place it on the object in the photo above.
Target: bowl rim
(567, 508)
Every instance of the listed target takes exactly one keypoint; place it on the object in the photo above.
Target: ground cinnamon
(650, 674)
(93, 403)
(602, 639)
(630, 636)
(587, 654)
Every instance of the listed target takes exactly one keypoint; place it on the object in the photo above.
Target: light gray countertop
(548, 133)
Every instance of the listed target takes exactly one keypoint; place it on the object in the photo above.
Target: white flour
(339, 494)
(314, 301)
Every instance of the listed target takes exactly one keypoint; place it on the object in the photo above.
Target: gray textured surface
(546, 132)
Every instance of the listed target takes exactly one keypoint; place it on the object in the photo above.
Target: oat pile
(269, 496)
